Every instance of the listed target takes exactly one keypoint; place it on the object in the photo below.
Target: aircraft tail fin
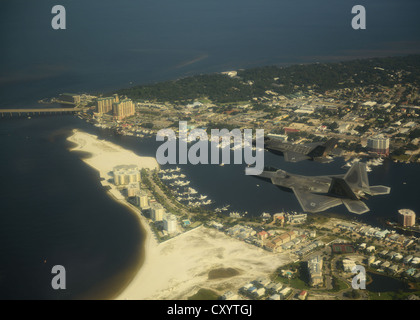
(357, 177)
(356, 180)
(340, 188)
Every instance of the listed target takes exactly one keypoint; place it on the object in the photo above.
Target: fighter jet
(319, 193)
(299, 152)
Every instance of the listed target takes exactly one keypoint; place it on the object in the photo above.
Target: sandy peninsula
(179, 267)
(106, 155)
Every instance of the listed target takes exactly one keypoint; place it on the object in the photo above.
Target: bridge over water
(39, 111)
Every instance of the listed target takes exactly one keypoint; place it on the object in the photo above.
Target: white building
(348, 265)
(260, 292)
(281, 137)
(370, 249)
(284, 292)
(170, 223)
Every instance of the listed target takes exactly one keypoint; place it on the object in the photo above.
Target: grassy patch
(204, 294)
(294, 283)
(195, 224)
(299, 280)
(221, 273)
(399, 295)
(339, 285)
(403, 157)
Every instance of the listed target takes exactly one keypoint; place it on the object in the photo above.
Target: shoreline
(163, 274)
(93, 159)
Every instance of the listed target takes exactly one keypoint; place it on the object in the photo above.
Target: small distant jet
(297, 152)
(319, 193)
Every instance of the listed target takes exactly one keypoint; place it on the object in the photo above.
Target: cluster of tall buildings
(105, 104)
(378, 144)
(128, 177)
(121, 108)
(126, 174)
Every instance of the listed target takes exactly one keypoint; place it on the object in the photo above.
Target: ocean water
(53, 211)
(110, 44)
(52, 208)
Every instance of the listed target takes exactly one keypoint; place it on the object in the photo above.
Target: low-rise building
(285, 292)
(302, 295)
(348, 265)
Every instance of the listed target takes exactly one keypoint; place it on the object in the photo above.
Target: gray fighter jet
(319, 193)
(298, 152)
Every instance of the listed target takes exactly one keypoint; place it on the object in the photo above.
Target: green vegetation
(403, 157)
(292, 80)
(221, 273)
(352, 294)
(339, 285)
(204, 294)
(399, 295)
(299, 278)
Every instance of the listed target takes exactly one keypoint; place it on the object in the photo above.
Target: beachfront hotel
(126, 174)
(142, 199)
(170, 223)
(104, 105)
(123, 109)
(157, 212)
(132, 189)
(120, 108)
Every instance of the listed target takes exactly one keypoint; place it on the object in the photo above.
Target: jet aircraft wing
(311, 202)
(355, 206)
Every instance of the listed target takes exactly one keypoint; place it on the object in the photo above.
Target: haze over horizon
(107, 46)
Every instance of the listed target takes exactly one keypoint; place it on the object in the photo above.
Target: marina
(179, 186)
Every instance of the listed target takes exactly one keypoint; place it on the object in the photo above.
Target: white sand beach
(106, 155)
(179, 267)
